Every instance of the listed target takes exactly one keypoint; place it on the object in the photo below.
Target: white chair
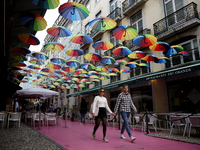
(28, 115)
(194, 122)
(50, 117)
(2, 118)
(152, 121)
(13, 117)
(36, 118)
(136, 119)
(176, 121)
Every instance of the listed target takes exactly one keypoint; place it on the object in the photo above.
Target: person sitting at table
(50, 109)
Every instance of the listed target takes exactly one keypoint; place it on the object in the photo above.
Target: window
(98, 14)
(88, 5)
(113, 5)
(113, 40)
(86, 51)
(86, 87)
(87, 29)
(136, 21)
(98, 83)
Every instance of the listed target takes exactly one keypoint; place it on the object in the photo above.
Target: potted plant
(73, 111)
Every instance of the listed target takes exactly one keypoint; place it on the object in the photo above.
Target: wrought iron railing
(93, 33)
(176, 19)
(115, 13)
(109, 52)
(129, 3)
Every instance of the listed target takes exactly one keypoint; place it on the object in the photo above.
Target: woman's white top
(100, 102)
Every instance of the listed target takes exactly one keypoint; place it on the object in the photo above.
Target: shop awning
(185, 68)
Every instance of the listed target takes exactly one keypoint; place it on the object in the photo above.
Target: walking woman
(100, 105)
(83, 110)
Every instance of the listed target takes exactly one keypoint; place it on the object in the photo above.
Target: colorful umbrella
(36, 80)
(112, 74)
(16, 72)
(33, 83)
(96, 80)
(104, 78)
(108, 60)
(40, 55)
(162, 60)
(65, 84)
(18, 64)
(36, 62)
(137, 55)
(56, 84)
(80, 71)
(103, 73)
(160, 46)
(15, 80)
(52, 79)
(52, 86)
(29, 79)
(184, 53)
(143, 65)
(68, 69)
(121, 51)
(73, 63)
(61, 72)
(103, 45)
(34, 67)
(125, 33)
(173, 50)
(47, 70)
(54, 66)
(150, 57)
(18, 57)
(58, 60)
(54, 76)
(46, 4)
(73, 11)
(73, 74)
(33, 72)
(102, 23)
(15, 68)
(28, 71)
(74, 52)
(21, 50)
(81, 85)
(121, 62)
(74, 86)
(65, 78)
(24, 81)
(94, 76)
(93, 73)
(68, 87)
(85, 80)
(61, 87)
(88, 66)
(125, 71)
(113, 69)
(28, 39)
(33, 21)
(92, 56)
(132, 65)
(59, 80)
(88, 83)
(54, 46)
(43, 74)
(58, 31)
(101, 68)
(83, 76)
(82, 39)
(76, 79)
(145, 40)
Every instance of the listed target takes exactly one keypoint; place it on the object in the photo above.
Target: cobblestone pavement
(25, 138)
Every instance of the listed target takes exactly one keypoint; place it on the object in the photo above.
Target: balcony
(130, 44)
(116, 14)
(183, 19)
(109, 52)
(129, 5)
(95, 33)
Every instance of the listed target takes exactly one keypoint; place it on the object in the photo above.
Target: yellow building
(161, 87)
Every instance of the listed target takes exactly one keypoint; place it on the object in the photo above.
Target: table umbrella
(46, 4)
(40, 55)
(145, 40)
(121, 62)
(107, 60)
(65, 84)
(21, 50)
(36, 62)
(73, 63)
(102, 45)
(175, 49)
(113, 69)
(54, 46)
(33, 21)
(162, 60)
(68, 87)
(28, 39)
(88, 82)
(76, 79)
(149, 57)
(82, 39)
(73, 11)
(88, 66)
(74, 52)
(132, 65)
(68, 69)
(125, 32)
(102, 23)
(16, 72)
(125, 71)
(34, 67)
(58, 60)
(18, 64)
(160, 46)
(18, 57)
(101, 68)
(54, 66)
(93, 73)
(121, 51)
(143, 65)
(92, 56)
(137, 55)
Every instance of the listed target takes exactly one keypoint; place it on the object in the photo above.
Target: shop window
(136, 21)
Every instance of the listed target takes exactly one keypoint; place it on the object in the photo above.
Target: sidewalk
(79, 137)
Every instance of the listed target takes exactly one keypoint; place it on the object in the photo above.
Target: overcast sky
(50, 16)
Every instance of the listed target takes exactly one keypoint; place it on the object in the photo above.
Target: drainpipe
(165, 14)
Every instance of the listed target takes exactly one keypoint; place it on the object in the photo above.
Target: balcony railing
(94, 33)
(109, 52)
(176, 19)
(115, 14)
(128, 5)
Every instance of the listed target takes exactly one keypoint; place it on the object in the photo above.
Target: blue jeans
(82, 117)
(125, 117)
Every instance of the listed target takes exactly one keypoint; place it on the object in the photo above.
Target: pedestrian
(83, 110)
(50, 109)
(99, 107)
(125, 102)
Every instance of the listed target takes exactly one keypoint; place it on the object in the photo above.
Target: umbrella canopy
(34, 67)
(15, 68)
(145, 40)
(132, 65)
(46, 4)
(113, 69)
(18, 64)
(73, 74)
(81, 85)
(54, 76)
(184, 53)
(73, 11)
(61, 87)
(33, 83)
(143, 65)
(61, 72)
(52, 86)
(33, 21)
(80, 71)
(102, 45)
(121, 62)
(21, 50)
(54, 66)
(94, 77)
(73, 63)
(56, 84)
(68, 69)
(52, 79)
(125, 71)
(93, 73)
(160, 46)
(40, 55)
(18, 57)
(103, 73)
(102, 23)
(108, 60)
(36, 92)
(104, 78)
(92, 56)
(101, 68)
(137, 55)
(150, 57)
(54, 46)
(43, 74)
(65, 78)
(47, 70)
(43, 85)
(76, 79)
(28, 39)
(125, 32)
(74, 52)
(85, 80)
(82, 39)
(58, 60)
(96, 80)
(36, 62)
(24, 81)
(175, 49)
(88, 66)
(58, 31)
(162, 60)
(112, 74)
(121, 51)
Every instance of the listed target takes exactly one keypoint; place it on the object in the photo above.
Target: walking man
(125, 102)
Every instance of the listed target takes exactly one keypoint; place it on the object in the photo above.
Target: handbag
(96, 109)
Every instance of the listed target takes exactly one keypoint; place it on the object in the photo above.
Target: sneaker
(93, 136)
(132, 138)
(122, 136)
(105, 140)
